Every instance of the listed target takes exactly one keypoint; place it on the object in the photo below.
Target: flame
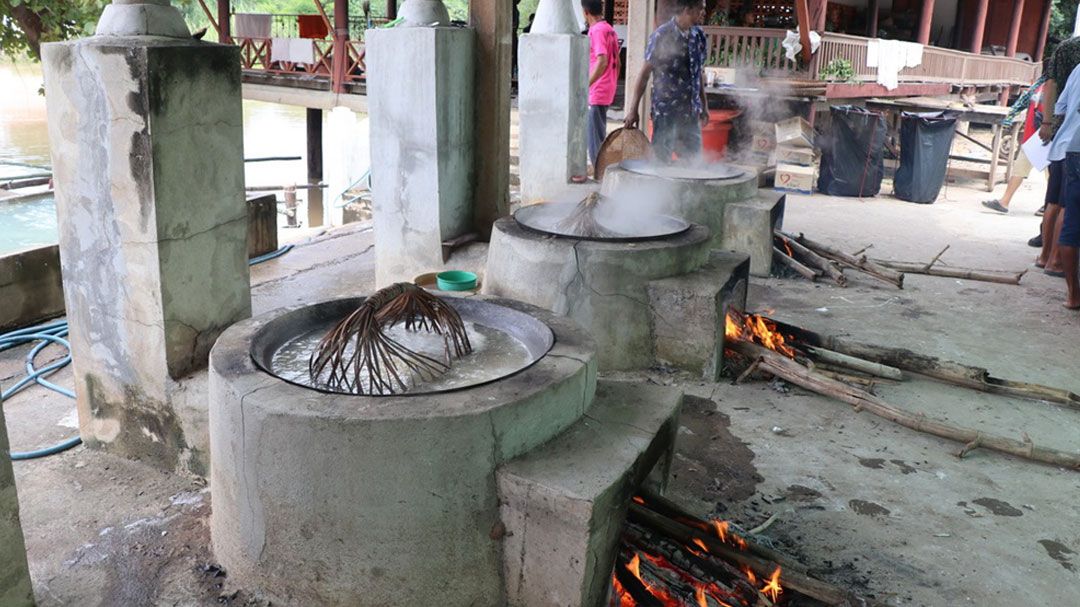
(660, 593)
(722, 530)
(772, 589)
(699, 596)
(756, 329)
(701, 544)
(638, 500)
(750, 575)
(787, 247)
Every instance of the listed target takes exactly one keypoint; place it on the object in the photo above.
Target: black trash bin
(852, 156)
(925, 141)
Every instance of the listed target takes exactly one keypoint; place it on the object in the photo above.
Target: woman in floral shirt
(674, 59)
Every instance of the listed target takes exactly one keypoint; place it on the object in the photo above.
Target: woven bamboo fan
(621, 144)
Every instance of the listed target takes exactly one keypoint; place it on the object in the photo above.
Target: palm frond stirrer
(582, 221)
(378, 364)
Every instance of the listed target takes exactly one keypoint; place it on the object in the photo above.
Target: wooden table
(1002, 148)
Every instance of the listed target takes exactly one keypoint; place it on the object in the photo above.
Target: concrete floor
(881, 509)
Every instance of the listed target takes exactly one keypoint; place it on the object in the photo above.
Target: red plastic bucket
(714, 137)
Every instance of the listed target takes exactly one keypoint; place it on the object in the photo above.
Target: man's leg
(597, 130)
(1054, 265)
(688, 142)
(663, 138)
(1069, 243)
(1054, 188)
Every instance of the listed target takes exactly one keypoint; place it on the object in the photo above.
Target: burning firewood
(358, 348)
(756, 581)
(780, 362)
(582, 221)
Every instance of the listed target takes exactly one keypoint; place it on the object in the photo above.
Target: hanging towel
(913, 52)
(252, 25)
(312, 26)
(292, 50)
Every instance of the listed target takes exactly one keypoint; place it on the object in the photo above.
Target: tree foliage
(26, 24)
(1062, 20)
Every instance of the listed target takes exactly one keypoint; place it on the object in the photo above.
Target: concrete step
(689, 312)
(563, 504)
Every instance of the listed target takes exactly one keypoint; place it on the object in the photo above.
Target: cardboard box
(795, 178)
(787, 154)
(764, 137)
(795, 132)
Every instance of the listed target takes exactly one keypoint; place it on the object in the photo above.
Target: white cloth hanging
(292, 50)
(793, 44)
(252, 25)
(891, 56)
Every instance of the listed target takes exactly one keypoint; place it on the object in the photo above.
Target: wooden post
(802, 13)
(341, 38)
(872, 18)
(314, 166)
(979, 26)
(1044, 30)
(224, 29)
(1014, 28)
(926, 17)
(492, 21)
(391, 9)
(818, 14)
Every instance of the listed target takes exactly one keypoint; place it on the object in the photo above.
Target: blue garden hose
(54, 333)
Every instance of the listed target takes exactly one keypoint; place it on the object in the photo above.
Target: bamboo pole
(947, 371)
(911, 267)
(853, 362)
(799, 375)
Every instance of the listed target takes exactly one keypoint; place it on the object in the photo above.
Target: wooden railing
(760, 48)
(741, 47)
(256, 54)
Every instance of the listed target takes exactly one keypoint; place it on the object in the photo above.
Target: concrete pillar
(979, 27)
(15, 589)
(641, 15)
(422, 138)
(926, 18)
(553, 91)
(314, 166)
(146, 134)
(492, 21)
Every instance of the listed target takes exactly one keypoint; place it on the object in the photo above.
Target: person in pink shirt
(603, 72)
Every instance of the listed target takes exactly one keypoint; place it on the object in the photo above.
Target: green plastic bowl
(455, 280)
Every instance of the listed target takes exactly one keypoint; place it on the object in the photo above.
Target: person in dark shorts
(674, 59)
(1069, 241)
(1058, 69)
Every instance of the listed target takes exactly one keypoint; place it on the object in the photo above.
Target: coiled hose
(54, 333)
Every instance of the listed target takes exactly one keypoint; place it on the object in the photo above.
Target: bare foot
(1072, 304)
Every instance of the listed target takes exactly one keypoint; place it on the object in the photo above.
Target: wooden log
(910, 267)
(947, 371)
(670, 509)
(797, 581)
(794, 264)
(696, 563)
(791, 371)
(861, 263)
(854, 362)
(634, 587)
(813, 259)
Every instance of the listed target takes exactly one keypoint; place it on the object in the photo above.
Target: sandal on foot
(1054, 273)
(1036, 241)
(994, 205)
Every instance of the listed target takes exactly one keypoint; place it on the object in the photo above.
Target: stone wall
(30, 287)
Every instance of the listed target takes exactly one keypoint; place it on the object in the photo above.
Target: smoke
(765, 98)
